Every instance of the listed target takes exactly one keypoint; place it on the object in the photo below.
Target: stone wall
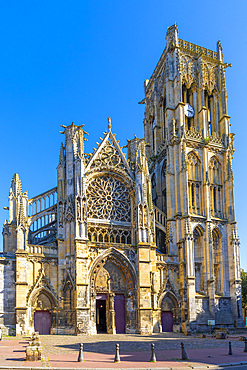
(7, 295)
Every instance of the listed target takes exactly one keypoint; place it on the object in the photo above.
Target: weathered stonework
(135, 245)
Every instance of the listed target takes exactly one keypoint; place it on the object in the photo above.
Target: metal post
(245, 344)
(117, 357)
(230, 348)
(184, 354)
(153, 357)
(80, 357)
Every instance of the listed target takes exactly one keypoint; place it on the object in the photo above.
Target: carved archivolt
(108, 199)
(112, 271)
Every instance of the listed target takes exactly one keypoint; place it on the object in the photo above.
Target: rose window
(108, 199)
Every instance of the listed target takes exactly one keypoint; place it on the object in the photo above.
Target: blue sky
(83, 61)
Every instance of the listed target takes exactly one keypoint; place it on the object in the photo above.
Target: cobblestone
(105, 343)
(61, 352)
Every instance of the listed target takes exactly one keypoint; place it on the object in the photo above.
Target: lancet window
(154, 193)
(104, 234)
(164, 118)
(153, 134)
(194, 183)
(217, 260)
(163, 181)
(215, 176)
(212, 105)
(198, 258)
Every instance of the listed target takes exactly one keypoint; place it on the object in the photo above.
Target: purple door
(119, 306)
(167, 321)
(42, 322)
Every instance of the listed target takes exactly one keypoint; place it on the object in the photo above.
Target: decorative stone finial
(109, 123)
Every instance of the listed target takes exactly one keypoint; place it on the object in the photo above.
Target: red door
(167, 321)
(119, 306)
(42, 322)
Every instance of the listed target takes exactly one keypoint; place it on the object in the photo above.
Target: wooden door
(119, 306)
(42, 322)
(167, 321)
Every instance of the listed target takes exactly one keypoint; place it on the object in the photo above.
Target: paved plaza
(61, 351)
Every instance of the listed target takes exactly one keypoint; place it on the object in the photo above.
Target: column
(111, 322)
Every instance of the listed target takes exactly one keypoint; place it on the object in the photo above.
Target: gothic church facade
(141, 244)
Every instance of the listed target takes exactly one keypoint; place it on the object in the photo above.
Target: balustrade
(160, 216)
(197, 49)
(166, 258)
(42, 249)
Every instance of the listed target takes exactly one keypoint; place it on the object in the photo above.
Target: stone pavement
(61, 351)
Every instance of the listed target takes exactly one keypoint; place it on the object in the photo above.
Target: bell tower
(190, 149)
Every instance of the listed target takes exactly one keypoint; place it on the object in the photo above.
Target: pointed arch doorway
(113, 284)
(42, 308)
(169, 312)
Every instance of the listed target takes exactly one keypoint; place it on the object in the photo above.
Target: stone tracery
(108, 157)
(108, 199)
(104, 234)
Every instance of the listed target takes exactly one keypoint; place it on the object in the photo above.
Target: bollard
(230, 348)
(80, 357)
(1, 334)
(184, 354)
(245, 344)
(153, 357)
(117, 357)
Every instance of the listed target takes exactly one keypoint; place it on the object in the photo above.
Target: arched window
(154, 194)
(153, 135)
(164, 118)
(198, 259)
(194, 183)
(215, 177)
(217, 260)
(163, 181)
(210, 102)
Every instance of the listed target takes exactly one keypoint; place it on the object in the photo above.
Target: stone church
(138, 244)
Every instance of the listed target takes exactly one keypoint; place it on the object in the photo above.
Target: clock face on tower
(188, 110)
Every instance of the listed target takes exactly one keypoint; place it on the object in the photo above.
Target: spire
(16, 186)
(61, 156)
